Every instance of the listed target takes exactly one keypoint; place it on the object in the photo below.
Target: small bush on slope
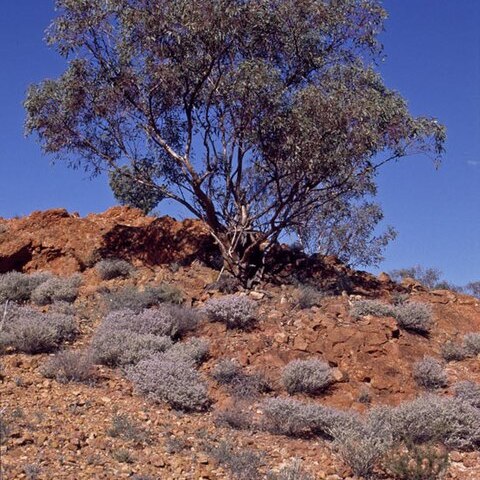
(70, 366)
(468, 392)
(451, 351)
(241, 385)
(30, 331)
(18, 287)
(57, 289)
(471, 343)
(122, 347)
(168, 379)
(307, 376)
(166, 320)
(293, 471)
(130, 298)
(431, 418)
(412, 316)
(111, 268)
(232, 310)
(429, 374)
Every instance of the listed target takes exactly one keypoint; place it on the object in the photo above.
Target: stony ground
(67, 431)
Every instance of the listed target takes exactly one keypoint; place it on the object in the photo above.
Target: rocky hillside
(359, 340)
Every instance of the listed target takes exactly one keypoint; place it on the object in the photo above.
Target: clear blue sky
(433, 59)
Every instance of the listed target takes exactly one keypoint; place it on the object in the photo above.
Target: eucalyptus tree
(258, 116)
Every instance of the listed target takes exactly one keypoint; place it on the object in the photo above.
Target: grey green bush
(110, 268)
(70, 366)
(471, 343)
(168, 379)
(412, 316)
(292, 471)
(233, 310)
(452, 351)
(307, 376)
(18, 287)
(468, 392)
(57, 289)
(429, 374)
(31, 331)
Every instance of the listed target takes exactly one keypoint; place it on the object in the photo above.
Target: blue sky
(432, 52)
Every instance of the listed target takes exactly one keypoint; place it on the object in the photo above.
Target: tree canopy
(258, 116)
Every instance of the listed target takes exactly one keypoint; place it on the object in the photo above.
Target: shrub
(242, 464)
(226, 284)
(429, 374)
(233, 417)
(307, 376)
(468, 392)
(4, 428)
(417, 462)
(415, 317)
(308, 297)
(471, 343)
(123, 347)
(129, 298)
(431, 418)
(286, 416)
(194, 350)
(123, 455)
(30, 331)
(68, 366)
(18, 287)
(113, 268)
(166, 320)
(293, 471)
(451, 351)
(57, 289)
(232, 310)
(362, 443)
(228, 372)
(171, 381)
(123, 427)
(361, 308)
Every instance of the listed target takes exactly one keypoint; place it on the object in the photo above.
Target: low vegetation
(307, 376)
(430, 374)
(70, 366)
(110, 268)
(233, 310)
(412, 316)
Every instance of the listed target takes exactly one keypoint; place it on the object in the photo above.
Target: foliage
(233, 417)
(195, 350)
(232, 310)
(429, 374)
(417, 462)
(376, 308)
(415, 317)
(468, 392)
(169, 379)
(241, 385)
(347, 230)
(128, 297)
(113, 268)
(308, 376)
(272, 118)
(308, 297)
(124, 427)
(412, 316)
(452, 351)
(18, 287)
(30, 331)
(242, 464)
(129, 191)
(429, 277)
(432, 418)
(165, 320)
(124, 347)
(471, 343)
(292, 471)
(70, 366)
(57, 289)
